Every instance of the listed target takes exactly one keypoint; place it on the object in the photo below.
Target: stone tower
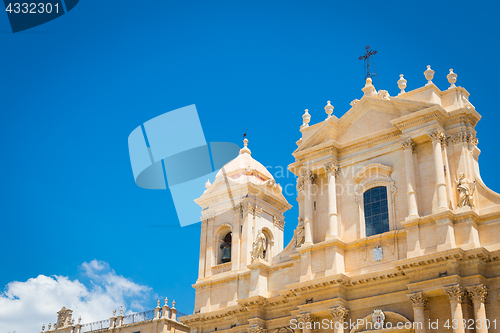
(242, 204)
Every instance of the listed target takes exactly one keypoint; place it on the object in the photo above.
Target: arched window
(225, 249)
(376, 211)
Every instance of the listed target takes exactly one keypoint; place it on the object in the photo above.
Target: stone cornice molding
(478, 293)
(212, 316)
(418, 300)
(455, 293)
(339, 314)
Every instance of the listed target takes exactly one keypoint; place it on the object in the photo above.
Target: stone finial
(452, 78)
(50, 326)
(208, 184)
(173, 304)
(79, 320)
(369, 89)
(429, 75)
(114, 312)
(166, 301)
(328, 109)
(43, 327)
(245, 149)
(306, 118)
(402, 84)
(121, 310)
(158, 303)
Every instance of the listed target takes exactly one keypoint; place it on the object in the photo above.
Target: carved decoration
(306, 318)
(465, 190)
(331, 167)
(378, 318)
(436, 135)
(384, 94)
(257, 329)
(300, 233)
(64, 318)
(259, 246)
(279, 222)
(238, 209)
(478, 293)
(300, 184)
(419, 300)
(339, 314)
(460, 137)
(408, 144)
(354, 102)
(455, 293)
(309, 176)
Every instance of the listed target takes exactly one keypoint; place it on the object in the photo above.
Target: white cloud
(25, 306)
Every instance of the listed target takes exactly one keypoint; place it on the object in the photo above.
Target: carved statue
(259, 246)
(466, 190)
(300, 233)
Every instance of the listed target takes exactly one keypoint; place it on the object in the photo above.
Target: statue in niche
(259, 246)
(466, 190)
(300, 233)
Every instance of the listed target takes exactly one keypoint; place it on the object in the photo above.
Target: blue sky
(73, 89)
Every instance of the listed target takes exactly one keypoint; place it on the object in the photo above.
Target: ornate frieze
(332, 168)
(419, 300)
(339, 314)
(455, 293)
(478, 293)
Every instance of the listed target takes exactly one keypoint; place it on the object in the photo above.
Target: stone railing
(221, 268)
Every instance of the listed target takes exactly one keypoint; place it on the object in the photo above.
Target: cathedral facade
(396, 232)
(396, 229)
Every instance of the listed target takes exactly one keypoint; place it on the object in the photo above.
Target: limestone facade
(395, 225)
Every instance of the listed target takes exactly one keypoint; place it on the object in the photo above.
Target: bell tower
(244, 206)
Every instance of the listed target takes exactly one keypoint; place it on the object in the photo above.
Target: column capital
(306, 318)
(408, 144)
(478, 293)
(339, 313)
(419, 300)
(332, 168)
(279, 222)
(300, 183)
(308, 175)
(238, 209)
(460, 137)
(436, 135)
(455, 293)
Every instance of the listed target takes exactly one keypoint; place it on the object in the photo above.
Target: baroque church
(396, 232)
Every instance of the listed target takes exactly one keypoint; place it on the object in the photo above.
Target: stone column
(419, 301)
(203, 248)
(456, 294)
(235, 237)
(436, 137)
(307, 320)
(308, 208)
(411, 194)
(332, 171)
(478, 295)
(209, 251)
(339, 315)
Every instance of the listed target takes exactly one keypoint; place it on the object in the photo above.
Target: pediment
(367, 116)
